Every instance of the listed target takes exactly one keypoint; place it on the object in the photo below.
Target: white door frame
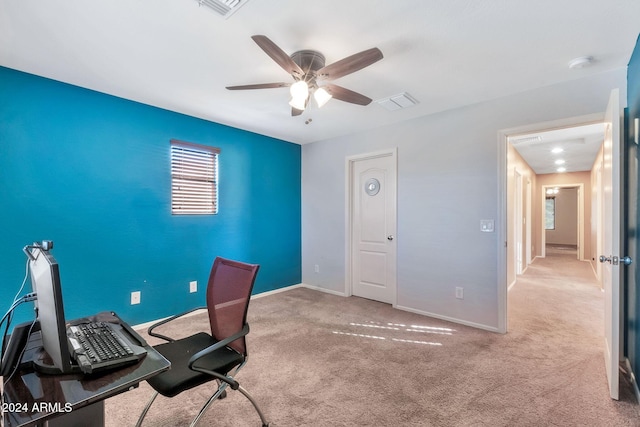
(528, 224)
(579, 219)
(501, 219)
(349, 197)
(518, 253)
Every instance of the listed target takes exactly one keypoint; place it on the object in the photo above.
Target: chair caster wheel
(223, 395)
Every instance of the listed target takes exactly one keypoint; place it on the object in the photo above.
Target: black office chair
(200, 358)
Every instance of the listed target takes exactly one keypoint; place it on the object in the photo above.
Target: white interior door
(373, 228)
(611, 188)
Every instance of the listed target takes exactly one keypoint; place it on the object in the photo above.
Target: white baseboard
(146, 325)
(448, 319)
(277, 291)
(328, 291)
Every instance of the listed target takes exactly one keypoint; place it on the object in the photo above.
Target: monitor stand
(37, 359)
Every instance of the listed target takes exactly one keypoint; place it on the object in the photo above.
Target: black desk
(32, 399)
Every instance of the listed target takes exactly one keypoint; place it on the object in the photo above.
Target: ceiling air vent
(397, 102)
(535, 139)
(226, 8)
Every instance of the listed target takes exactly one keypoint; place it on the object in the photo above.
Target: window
(194, 178)
(550, 213)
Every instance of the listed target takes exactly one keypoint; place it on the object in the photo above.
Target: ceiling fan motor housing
(308, 60)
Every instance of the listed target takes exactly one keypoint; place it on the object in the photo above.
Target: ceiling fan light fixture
(299, 90)
(321, 96)
(298, 103)
(307, 66)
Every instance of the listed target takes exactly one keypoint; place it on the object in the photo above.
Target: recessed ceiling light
(561, 169)
(581, 62)
(557, 150)
(559, 162)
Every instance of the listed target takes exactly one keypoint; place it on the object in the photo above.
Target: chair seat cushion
(179, 377)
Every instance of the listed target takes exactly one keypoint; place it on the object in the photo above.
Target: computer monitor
(45, 281)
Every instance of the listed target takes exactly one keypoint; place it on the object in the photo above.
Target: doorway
(508, 160)
(609, 155)
(563, 207)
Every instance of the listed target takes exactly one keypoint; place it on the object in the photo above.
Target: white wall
(447, 182)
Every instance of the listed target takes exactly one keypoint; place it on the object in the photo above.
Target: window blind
(194, 178)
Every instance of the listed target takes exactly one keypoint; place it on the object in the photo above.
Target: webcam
(45, 245)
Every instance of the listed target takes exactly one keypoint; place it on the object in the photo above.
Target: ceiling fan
(307, 67)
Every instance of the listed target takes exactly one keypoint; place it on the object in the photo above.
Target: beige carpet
(323, 360)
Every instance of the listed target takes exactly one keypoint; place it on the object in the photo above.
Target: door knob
(605, 259)
(390, 237)
(626, 260)
(623, 260)
(615, 260)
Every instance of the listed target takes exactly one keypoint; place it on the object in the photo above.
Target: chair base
(221, 393)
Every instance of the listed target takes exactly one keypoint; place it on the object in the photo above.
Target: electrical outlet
(135, 297)
(193, 286)
(316, 268)
(459, 292)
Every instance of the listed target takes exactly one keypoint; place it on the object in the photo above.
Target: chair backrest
(228, 294)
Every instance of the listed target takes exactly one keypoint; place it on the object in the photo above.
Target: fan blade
(259, 86)
(350, 64)
(346, 95)
(278, 55)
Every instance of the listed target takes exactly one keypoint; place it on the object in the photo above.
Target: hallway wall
(515, 163)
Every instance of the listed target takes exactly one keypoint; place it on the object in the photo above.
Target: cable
(9, 314)
(24, 281)
(15, 299)
(25, 298)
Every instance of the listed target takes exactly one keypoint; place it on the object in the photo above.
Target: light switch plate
(486, 225)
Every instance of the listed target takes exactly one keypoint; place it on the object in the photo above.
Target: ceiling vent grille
(397, 102)
(226, 8)
(526, 140)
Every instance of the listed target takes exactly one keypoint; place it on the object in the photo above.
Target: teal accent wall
(91, 172)
(632, 297)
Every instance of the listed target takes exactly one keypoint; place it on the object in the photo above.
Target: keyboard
(101, 346)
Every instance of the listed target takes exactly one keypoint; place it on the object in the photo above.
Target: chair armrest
(162, 322)
(233, 383)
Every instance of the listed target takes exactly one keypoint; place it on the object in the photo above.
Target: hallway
(557, 307)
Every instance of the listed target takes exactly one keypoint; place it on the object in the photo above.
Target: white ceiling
(179, 56)
(579, 145)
